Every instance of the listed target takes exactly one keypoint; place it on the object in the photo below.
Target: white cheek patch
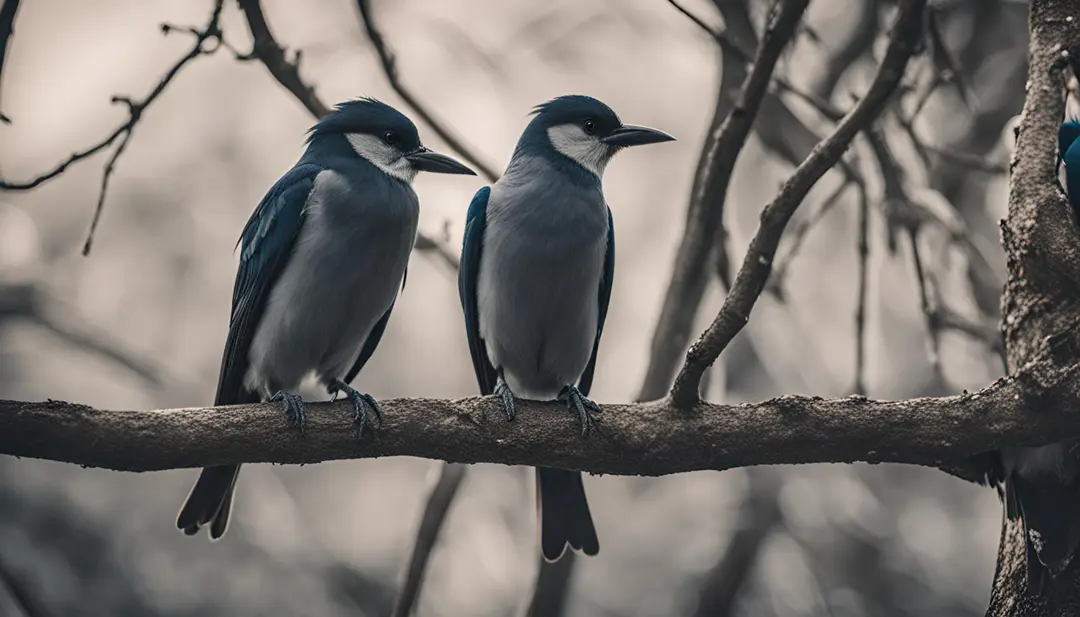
(584, 149)
(386, 158)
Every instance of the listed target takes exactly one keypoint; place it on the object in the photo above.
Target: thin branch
(759, 515)
(864, 275)
(389, 66)
(268, 51)
(552, 582)
(971, 161)
(648, 439)
(927, 305)
(210, 33)
(755, 269)
(706, 211)
(438, 248)
(775, 284)
(7, 28)
(438, 504)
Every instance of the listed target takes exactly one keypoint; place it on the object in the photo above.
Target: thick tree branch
(1040, 308)
(706, 211)
(638, 439)
(754, 273)
(7, 28)
(389, 66)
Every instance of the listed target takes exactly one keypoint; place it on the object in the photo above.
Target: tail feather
(565, 519)
(1050, 512)
(209, 502)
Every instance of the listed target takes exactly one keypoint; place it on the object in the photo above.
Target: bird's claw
(508, 402)
(362, 405)
(295, 413)
(577, 402)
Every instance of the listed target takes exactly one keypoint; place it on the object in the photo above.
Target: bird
(1041, 485)
(537, 267)
(322, 260)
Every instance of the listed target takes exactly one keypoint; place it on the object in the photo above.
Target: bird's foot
(295, 413)
(576, 402)
(362, 405)
(509, 404)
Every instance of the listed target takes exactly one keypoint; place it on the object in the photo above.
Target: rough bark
(639, 439)
(1041, 305)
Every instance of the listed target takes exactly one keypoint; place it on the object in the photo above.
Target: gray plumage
(344, 274)
(537, 269)
(544, 247)
(322, 260)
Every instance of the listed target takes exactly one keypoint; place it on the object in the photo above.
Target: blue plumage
(322, 260)
(537, 268)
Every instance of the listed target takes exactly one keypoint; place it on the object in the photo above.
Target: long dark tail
(209, 502)
(564, 513)
(1050, 512)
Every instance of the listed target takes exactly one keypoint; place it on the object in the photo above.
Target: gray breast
(345, 272)
(543, 256)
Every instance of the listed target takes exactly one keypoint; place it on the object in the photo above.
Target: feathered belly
(539, 323)
(321, 312)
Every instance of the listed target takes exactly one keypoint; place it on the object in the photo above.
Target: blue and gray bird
(1042, 484)
(536, 275)
(321, 262)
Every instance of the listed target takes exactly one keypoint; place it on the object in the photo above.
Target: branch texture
(754, 273)
(641, 439)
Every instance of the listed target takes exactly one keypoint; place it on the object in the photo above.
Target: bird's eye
(590, 127)
(389, 137)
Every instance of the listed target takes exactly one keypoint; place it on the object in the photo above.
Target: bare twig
(548, 598)
(755, 269)
(429, 244)
(7, 28)
(389, 66)
(287, 72)
(705, 214)
(860, 307)
(972, 161)
(760, 514)
(210, 33)
(927, 305)
(438, 504)
(775, 284)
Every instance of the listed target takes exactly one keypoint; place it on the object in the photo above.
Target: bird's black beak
(630, 135)
(423, 159)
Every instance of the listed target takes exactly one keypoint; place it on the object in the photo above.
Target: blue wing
(266, 244)
(1067, 135)
(471, 251)
(1072, 175)
(585, 383)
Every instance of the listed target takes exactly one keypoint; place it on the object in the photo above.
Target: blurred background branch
(8, 10)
